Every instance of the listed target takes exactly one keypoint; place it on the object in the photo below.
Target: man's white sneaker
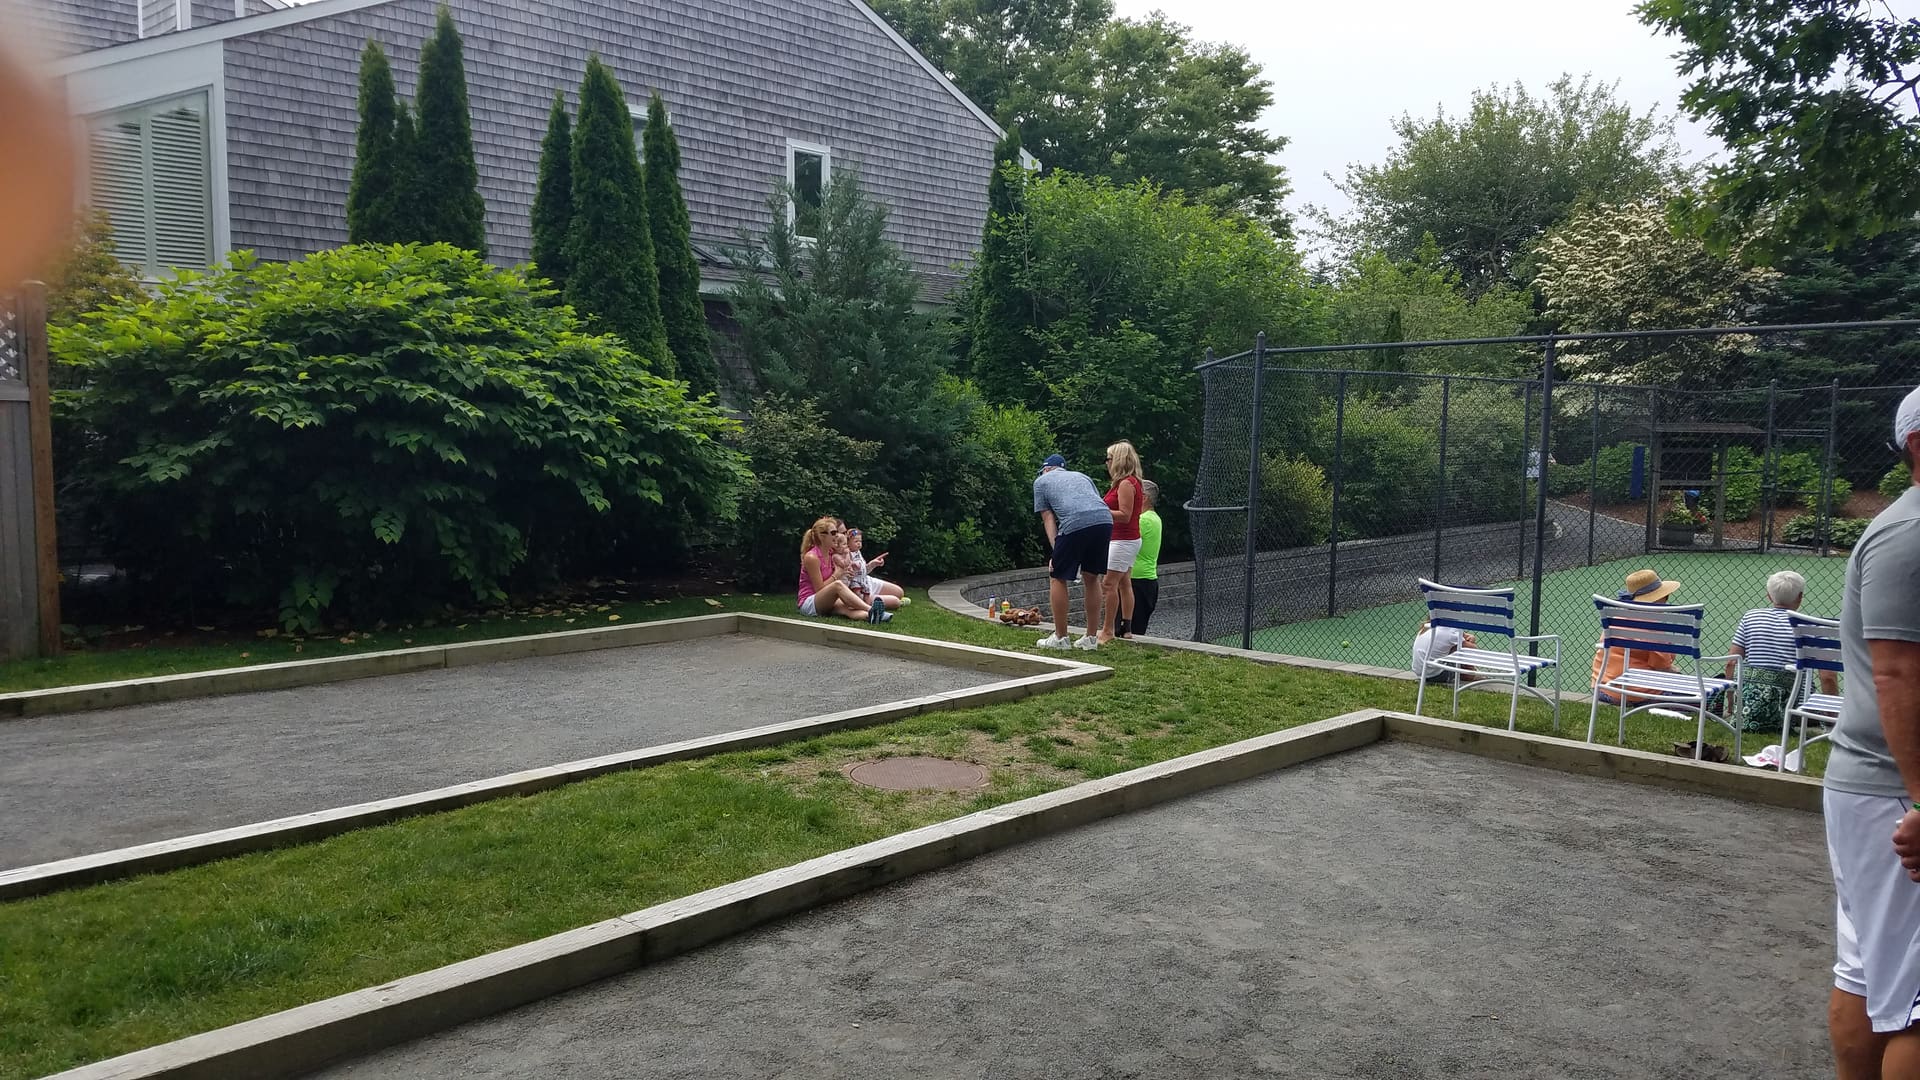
(1056, 641)
(1087, 643)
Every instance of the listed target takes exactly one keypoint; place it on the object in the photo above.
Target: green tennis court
(1728, 583)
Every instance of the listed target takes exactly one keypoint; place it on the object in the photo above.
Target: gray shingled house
(217, 125)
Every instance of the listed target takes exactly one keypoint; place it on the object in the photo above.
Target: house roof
(289, 15)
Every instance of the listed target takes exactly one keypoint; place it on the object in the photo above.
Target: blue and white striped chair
(1675, 631)
(1486, 611)
(1817, 647)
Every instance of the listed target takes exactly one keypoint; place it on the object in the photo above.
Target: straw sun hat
(1645, 587)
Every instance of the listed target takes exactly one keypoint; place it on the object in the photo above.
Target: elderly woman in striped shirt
(1764, 644)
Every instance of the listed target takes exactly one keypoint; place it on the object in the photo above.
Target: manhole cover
(918, 774)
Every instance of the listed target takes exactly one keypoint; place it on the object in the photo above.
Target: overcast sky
(1342, 71)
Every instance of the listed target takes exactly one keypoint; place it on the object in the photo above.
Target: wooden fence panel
(29, 565)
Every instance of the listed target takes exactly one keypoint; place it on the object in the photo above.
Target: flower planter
(1672, 537)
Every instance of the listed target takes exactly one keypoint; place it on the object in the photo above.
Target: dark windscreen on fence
(1331, 481)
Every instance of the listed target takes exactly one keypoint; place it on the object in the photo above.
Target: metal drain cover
(918, 774)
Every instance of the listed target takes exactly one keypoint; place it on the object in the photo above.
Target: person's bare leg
(1126, 595)
(841, 600)
(1057, 594)
(1110, 603)
(1096, 590)
(1857, 1051)
(1901, 1059)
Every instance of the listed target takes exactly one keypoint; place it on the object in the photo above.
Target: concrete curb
(1611, 762)
(315, 825)
(306, 1038)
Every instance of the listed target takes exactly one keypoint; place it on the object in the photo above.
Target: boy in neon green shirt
(1146, 568)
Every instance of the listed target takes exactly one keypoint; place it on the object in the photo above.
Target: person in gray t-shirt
(1078, 526)
(1872, 788)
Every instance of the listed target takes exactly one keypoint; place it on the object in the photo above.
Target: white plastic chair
(1816, 643)
(1675, 631)
(1486, 611)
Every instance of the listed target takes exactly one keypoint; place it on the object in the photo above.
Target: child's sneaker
(1056, 641)
(877, 612)
(1087, 643)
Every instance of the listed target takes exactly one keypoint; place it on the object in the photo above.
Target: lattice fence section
(12, 347)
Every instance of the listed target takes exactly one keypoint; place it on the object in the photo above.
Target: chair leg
(1700, 736)
(1786, 738)
(1513, 710)
(1419, 695)
(1621, 739)
(1593, 711)
(1556, 699)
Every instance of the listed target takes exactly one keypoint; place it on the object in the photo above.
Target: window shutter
(117, 186)
(182, 233)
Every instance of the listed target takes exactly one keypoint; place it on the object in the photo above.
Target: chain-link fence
(1331, 479)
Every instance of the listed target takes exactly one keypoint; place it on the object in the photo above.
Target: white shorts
(1877, 921)
(1121, 555)
(879, 586)
(806, 607)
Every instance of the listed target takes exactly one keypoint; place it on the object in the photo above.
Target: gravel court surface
(85, 782)
(1393, 912)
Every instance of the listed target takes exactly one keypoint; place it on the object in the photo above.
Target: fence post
(1440, 488)
(1826, 472)
(1767, 478)
(1333, 529)
(1194, 520)
(32, 308)
(1540, 504)
(1593, 476)
(1653, 469)
(1526, 458)
(1253, 489)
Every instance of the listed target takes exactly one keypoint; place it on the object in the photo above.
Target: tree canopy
(1818, 102)
(552, 213)
(1486, 185)
(1118, 98)
(682, 312)
(612, 280)
(448, 183)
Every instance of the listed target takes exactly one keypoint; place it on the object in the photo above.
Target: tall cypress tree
(681, 310)
(446, 184)
(611, 277)
(1000, 311)
(553, 198)
(378, 184)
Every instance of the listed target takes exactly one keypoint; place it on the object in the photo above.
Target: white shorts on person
(1877, 924)
(1121, 555)
(807, 608)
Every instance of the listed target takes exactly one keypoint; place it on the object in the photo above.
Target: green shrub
(994, 490)
(1615, 482)
(1296, 502)
(1805, 530)
(1797, 481)
(1745, 477)
(1896, 482)
(373, 430)
(1387, 466)
(802, 470)
(1565, 480)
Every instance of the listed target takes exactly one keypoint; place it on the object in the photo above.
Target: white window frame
(796, 147)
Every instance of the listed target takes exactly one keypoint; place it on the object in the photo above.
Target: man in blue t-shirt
(1078, 526)
(1873, 791)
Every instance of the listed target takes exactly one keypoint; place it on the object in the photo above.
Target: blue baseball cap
(1054, 461)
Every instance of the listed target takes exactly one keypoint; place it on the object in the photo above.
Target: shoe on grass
(905, 600)
(1087, 643)
(1056, 641)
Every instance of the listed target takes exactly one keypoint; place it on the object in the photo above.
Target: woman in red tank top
(1126, 499)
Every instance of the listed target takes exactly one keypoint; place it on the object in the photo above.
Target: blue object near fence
(1637, 484)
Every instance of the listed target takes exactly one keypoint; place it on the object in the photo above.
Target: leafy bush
(1565, 480)
(1296, 502)
(802, 470)
(1745, 475)
(89, 275)
(1805, 530)
(1896, 482)
(1616, 474)
(993, 490)
(373, 430)
(1679, 517)
(1388, 464)
(1797, 481)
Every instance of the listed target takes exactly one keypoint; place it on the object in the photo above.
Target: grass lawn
(100, 971)
(1727, 583)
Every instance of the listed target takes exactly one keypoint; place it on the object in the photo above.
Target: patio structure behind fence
(1332, 478)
